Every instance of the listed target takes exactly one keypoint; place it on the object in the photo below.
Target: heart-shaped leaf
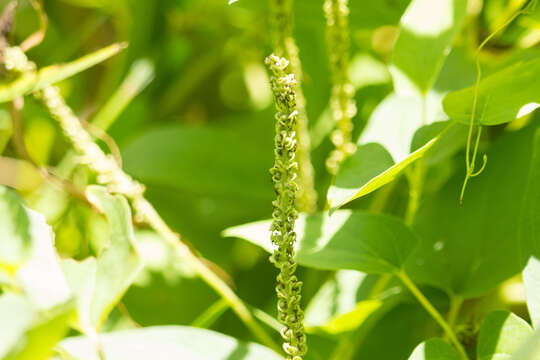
(502, 97)
(344, 240)
(456, 250)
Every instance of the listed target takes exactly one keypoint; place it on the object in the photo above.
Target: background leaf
(427, 27)
(501, 334)
(344, 240)
(502, 97)
(456, 249)
(531, 280)
(435, 349)
(168, 341)
(99, 284)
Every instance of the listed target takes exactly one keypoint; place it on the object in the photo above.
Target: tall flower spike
(342, 101)
(284, 215)
(285, 46)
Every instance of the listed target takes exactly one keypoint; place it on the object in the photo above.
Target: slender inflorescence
(111, 174)
(284, 215)
(342, 101)
(285, 46)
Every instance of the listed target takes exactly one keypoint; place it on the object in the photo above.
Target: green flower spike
(284, 44)
(342, 101)
(284, 215)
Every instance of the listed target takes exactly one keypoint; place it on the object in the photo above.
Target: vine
(470, 159)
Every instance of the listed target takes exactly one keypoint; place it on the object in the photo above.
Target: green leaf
(345, 240)
(531, 279)
(427, 28)
(435, 349)
(456, 250)
(34, 81)
(361, 173)
(98, 284)
(502, 97)
(455, 137)
(530, 350)
(27, 334)
(168, 342)
(16, 242)
(345, 303)
(338, 296)
(6, 129)
(500, 335)
(530, 215)
(41, 276)
(372, 167)
(233, 163)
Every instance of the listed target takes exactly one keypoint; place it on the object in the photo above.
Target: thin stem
(453, 312)
(118, 181)
(470, 163)
(432, 311)
(148, 214)
(211, 314)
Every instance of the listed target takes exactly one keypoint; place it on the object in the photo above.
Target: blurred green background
(200, 133)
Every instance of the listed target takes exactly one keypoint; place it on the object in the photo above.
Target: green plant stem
(409, 284)
(148, 214)
(453, 312)
(211, 314)
(470, 163)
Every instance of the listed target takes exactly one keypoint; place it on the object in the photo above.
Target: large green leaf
(531, 279)
(34, 81)
(167, 342)
(457, 249)
(530, 350)
(427, 28)
(344, 240)
(98, 284)
(502, 97)
(16, 242)
(213, 161)
(500, 335)
(26, 333)
(435, 349)
(530, 215)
